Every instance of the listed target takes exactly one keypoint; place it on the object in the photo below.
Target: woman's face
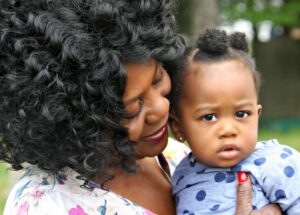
(145, 98)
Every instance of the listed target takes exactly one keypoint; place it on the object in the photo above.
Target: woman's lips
(157, 136)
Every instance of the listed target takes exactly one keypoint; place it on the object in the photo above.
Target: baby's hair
(212, 45)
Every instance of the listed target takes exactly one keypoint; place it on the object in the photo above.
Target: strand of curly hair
(62, 78)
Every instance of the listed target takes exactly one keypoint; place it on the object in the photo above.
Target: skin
(145, 97)
(148, 84)
(244, 202)
(218, 119)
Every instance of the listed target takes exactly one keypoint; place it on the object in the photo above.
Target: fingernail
(242, 177)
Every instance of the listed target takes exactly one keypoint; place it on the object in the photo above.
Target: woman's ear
(176, 128)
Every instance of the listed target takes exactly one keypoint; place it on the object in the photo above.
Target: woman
(83, 105)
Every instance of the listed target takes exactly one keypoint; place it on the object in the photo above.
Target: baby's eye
(209, 117)
(241, 114)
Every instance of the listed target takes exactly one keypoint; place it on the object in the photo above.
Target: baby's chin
(225, 163)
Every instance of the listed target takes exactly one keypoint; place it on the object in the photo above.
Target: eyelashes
(159, 79)
(242, 114)
(155, 81)
(211, 117)
(137, 112)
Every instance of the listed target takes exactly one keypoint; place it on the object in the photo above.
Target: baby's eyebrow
(245, 102)
(204, 107)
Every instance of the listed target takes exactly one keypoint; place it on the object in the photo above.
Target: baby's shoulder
(272, 148)
(175, 152)
(270, 156)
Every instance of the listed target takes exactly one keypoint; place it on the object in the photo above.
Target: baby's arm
(280, 177)
(244, 202)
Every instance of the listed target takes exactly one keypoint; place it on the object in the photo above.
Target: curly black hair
(62, 78)
(212, 45)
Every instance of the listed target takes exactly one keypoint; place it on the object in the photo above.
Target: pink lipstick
(157, 136)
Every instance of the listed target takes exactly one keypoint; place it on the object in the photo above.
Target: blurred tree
(276, 59)
(194, 15)
(284, 13)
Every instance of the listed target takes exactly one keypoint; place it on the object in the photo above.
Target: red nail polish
(242, 177)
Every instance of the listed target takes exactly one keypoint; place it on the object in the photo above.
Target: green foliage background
(286, 14)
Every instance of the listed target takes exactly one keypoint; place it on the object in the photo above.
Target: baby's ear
(176, 128)
(259, 109)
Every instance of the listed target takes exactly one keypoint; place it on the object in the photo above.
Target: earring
(181, 139)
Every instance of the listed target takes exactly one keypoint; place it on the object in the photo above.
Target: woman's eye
(209, 117)
(158, 79)
(241, 114)
(135, 113)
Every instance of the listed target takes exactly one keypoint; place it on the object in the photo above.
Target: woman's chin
(146, 149)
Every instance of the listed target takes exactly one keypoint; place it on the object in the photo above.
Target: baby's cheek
(251, 138)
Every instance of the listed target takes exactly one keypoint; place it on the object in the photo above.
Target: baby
(214, 107)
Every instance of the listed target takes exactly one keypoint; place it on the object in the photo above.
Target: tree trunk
(195, 15)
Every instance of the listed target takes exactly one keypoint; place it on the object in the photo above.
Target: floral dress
(41, 193)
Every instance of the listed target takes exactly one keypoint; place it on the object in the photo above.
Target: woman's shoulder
(41, 192)
(175, 152)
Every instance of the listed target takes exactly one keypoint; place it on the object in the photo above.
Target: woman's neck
(144, 187)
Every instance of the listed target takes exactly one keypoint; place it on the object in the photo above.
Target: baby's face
(218, 112)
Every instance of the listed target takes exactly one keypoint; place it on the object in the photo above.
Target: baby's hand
(244, 199)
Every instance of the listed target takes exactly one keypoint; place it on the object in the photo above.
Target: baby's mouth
(229, 151)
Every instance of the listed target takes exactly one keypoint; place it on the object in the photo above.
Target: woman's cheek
(135, 130)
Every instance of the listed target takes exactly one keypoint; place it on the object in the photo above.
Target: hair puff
(212, 41)
(238, 41)
(214, 45)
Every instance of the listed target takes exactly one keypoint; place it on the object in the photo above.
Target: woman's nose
(158, 108)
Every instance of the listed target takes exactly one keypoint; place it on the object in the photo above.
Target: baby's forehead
(195, 66)
(199, 72)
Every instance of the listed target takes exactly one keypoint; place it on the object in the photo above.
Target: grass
(4, 184)
(291, 138)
